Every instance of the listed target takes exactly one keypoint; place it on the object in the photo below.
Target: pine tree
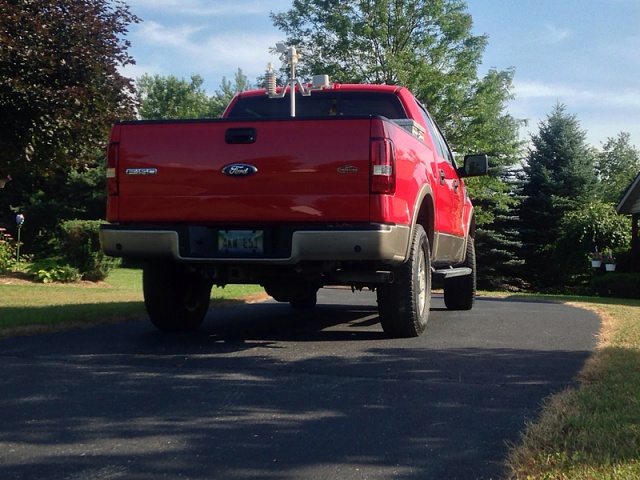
(499, 262)
(559, 178)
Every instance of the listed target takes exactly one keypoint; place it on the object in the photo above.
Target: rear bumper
(283, 246)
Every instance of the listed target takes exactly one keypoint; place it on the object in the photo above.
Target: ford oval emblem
(239, 170)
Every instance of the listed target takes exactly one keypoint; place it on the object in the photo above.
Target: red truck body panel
(298, 177)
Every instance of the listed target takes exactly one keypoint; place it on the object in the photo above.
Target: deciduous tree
(228, 89)
(617, 165)
(60, 84)
(170, 97)
(429, 47)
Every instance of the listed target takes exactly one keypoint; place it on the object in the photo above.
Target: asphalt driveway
(263, 391)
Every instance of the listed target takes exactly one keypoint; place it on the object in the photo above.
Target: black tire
(460, 292)
(404, 305)
(176, 300)
(308, 300)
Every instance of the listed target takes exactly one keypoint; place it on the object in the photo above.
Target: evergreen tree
(560, 178)
(48, 200)
(501, 266)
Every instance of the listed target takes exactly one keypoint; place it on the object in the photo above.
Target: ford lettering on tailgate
(239, 170)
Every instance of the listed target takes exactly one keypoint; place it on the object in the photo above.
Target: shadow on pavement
(263, 391)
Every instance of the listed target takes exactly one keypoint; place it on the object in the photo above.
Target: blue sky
(583, 53)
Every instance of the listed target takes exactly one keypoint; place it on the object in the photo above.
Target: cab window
(326, 103)
(438, 139)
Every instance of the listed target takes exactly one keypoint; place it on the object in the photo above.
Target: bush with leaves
(80, 246)
(53, 270)
(7, 251)
(47, 201)
(617, 285)
(594, 226)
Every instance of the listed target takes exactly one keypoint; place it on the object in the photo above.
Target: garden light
(19, 222)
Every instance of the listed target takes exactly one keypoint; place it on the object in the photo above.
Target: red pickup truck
(360, 189)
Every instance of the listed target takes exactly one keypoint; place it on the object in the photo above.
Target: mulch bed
(22, 278)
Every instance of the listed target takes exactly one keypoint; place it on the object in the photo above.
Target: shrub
(53, 270)
(593, 226)
(7, 251)
(618, 285)
(81, 249)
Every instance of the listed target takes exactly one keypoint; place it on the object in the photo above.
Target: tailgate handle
(240, 135)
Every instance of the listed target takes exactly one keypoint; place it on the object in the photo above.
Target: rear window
(325, 103)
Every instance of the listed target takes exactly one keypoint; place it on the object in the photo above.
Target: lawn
(34, 308)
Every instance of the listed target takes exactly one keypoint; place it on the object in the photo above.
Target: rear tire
(176, 300)
(460, 292)
(404, 305)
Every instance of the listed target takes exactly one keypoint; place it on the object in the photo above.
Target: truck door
(449, 188)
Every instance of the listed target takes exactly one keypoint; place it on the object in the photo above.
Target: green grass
(35, 308)
(592, 431)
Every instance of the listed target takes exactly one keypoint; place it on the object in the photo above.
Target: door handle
(456, 186)
(442, 177)
(240, 136)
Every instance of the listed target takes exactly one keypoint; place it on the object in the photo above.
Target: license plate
(241, 241)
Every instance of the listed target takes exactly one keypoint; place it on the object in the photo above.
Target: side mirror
(475, 165)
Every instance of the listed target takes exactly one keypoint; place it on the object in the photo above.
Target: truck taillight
(112, 168)
(383, 166)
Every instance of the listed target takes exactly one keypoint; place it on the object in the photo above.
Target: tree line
(546, 204)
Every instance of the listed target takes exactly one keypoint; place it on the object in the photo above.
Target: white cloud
(553, 34)
(156, 34)
(183, 50)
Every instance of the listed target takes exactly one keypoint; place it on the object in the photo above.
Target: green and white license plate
(241, 241)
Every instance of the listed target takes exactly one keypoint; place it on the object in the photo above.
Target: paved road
(263, 391)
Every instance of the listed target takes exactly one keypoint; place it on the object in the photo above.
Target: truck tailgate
(302, 170)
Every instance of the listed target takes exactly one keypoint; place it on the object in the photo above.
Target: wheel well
(472, 227)
(426, 217)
